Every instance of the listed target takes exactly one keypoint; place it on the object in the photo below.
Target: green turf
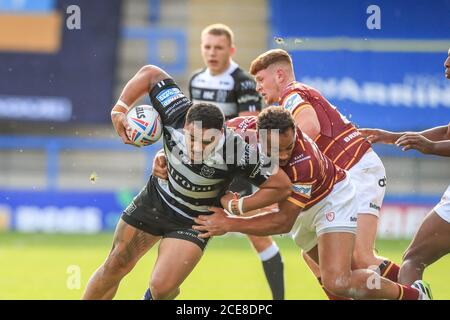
(34, 266)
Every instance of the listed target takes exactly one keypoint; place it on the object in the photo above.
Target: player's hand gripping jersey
(312, 174)
(338, 139)
(192, 188)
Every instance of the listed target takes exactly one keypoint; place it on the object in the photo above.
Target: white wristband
(122, 104)
(240, 205)
(229, 206)
(116, 112)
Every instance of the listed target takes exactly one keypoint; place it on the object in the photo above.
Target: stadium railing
(53, 146)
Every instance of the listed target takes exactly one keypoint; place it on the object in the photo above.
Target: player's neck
(289, 81)
(221, 71)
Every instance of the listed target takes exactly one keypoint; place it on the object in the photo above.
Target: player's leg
(369, 179)
(364, 256)
(176, 260)
(335, 256)
(129, 245)
(272, 263)
(314, 267)
(334, 226)
(431, 242)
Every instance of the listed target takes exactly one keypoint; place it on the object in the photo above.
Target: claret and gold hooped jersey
(338, 139)
(313, 175)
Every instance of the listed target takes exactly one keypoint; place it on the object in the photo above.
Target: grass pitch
(41, 266)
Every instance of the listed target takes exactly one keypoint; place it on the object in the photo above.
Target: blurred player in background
(223, 83)
(201, 166)
(321, 211)
(432, 240)
(338, 139)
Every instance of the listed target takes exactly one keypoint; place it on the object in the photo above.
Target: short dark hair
(210, 116)
(276, 118)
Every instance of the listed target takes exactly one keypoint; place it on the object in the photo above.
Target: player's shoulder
(243, 80)
(197, 73)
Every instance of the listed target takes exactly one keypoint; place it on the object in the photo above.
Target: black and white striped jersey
(233, 91)
(192, 188)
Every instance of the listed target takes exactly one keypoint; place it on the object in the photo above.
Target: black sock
(147, 295)
(274, 270)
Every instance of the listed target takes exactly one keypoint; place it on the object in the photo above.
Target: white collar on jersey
(233, 66)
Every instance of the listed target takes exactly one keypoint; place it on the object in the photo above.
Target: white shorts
(443, 207)
(369, 178)
(335, 213)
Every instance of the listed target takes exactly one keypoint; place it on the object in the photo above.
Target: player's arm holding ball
(142, 82)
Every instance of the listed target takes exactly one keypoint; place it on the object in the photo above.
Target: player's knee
(339, 285)
(363, 259)
(411, 258)
(260, 243)
(161, 290)
(118, 262)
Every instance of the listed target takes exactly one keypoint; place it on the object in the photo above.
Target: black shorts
(148, 212)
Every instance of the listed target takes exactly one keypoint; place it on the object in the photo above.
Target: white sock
(269, 253)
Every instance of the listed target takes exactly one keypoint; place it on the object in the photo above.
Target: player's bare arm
(437, 133)
(277, 188)
(388, 137)
(380, 136)
(142, 82)
(263, 224)
(306, 119)
(420, 143)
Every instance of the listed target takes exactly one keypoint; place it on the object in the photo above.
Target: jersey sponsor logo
(221, 96)
(186, 184)
(351, 136)
(208, 95)
(131, 207)
(293, 100)
(256, 171)
(190, 233)
(299, 158)
(196, 93)
(248, 85)
(330, 216)
(168, 96)
(303, 189)
(248, 98)
(382, 182)
(374, 206)
(207, 172)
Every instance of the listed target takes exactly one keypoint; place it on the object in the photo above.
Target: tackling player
(223, 83)
(321, 212)
(339, 140)
(203, 156)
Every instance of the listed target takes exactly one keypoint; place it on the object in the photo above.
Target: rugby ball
(145, 123)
